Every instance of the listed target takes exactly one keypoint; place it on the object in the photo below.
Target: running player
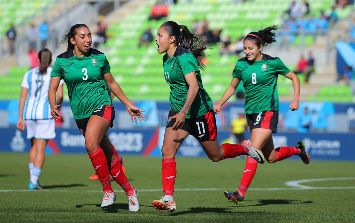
(259, 73)
(34, 113)
(191, 108)
(86, 72)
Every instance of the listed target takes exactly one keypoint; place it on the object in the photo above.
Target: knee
(214, 158)
(91, 145)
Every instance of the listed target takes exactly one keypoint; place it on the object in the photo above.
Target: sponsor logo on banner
(17, 143)
(127, 142)
(323, 147)
(71, 140)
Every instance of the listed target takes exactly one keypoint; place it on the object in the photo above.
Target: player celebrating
(86, 72)
(40, 125)
(191, 107)
(259, 73)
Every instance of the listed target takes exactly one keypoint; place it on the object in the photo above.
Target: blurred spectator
(301, 65)
(225, 46)
(33, 57)
(43, 33)
(352, 29)
(11, 37)
(159, 10)
(197, 27)
(101, 32)
(239, 126)
(305, 121)
(333, 16)
(310, 67)
(307, 7)
(146, 38)
(31, 36)
(216, 36)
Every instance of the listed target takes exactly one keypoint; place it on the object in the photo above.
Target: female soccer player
(259, 73)
(191, 107)
(34, 109)
(86, 72)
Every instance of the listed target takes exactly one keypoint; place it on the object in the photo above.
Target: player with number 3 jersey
(86, 72)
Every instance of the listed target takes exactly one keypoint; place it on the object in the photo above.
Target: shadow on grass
(110, 209)
(199, 210)
(8, 175)
(63, 186)
(278, 202)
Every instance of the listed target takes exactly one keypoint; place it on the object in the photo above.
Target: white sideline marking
(293, 185)
(297, 183)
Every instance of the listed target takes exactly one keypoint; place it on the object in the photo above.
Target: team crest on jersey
(264, 67)
(94, 61)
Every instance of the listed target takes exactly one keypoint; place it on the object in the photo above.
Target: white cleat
(133, 204)
(109, 198)
(256, 154)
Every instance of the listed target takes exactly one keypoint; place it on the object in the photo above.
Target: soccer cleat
(303, 154)
(133, 204)
(109, 198)
(165, 203)
(255, 154)
(94, 176)
(246, 142)
(233, 196)
(32, 186)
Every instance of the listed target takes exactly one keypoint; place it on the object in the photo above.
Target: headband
(250, 34)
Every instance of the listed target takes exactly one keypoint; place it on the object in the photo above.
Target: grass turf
(70, 197)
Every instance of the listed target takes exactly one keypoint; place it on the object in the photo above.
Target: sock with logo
(248, 174)
(284, 152)
(233, 150)
(168, 175)
(119, 176)
(99, 162)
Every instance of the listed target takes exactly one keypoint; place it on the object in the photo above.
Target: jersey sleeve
(57, 70)
(106, 67)
(188, 63)
(280, 67)
(25, 83)
(237, 71)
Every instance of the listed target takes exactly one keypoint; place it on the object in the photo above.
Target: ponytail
(71, 34)
(186, 39)
(45, 59)
(263, 37)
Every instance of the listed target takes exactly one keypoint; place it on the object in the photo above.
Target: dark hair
(186, 39)
(45, 59)
(263, 37)
(71, 34)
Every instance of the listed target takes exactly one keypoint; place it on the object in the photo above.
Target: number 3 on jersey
(85, 73)
(253, 78)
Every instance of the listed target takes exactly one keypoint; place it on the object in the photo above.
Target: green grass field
(70, 197)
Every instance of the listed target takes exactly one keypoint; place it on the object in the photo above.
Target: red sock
(284, 152)
(248, 174)
(99, 162)
(168, 174)
(233, 150)
(119, 176)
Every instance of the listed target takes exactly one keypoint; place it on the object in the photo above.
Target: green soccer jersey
(175, 68)
(87, 89)
(260, 82)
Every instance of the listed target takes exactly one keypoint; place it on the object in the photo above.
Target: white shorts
(40, 129)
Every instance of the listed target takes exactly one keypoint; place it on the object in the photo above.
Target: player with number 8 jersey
(259, 73)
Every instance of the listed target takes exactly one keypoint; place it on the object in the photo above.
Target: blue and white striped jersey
(37, 104)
